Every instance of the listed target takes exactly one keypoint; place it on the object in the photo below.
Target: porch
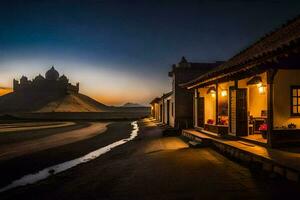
(234, 108)
(253, 138)
(284, 161)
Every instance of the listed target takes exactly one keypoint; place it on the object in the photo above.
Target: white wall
(160, 117)
(156, 111)
(282, 100)
(171, 118)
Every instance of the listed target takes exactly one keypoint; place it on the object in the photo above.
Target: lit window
(295, 100)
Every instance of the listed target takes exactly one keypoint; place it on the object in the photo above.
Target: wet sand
(9, 151)
(156, 167)
(6, 128)
(14, 168)
(25, 135)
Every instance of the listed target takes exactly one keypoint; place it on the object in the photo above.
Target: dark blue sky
(132, 41)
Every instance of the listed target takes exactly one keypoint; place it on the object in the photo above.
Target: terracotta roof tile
(277, 39)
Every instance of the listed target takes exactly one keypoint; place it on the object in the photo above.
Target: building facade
(166, 108)
(155, 108)
(255, 95)
(182, 99)
(175, 108)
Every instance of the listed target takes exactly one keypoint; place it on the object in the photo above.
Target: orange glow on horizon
(115, 100)
(100, 82)
(4, 91)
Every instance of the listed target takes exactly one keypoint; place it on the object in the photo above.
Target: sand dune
(45, 102)
(38, 103)
(74, 103)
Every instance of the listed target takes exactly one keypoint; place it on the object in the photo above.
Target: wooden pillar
(163, 110)
(236, 84)
(217, 105)
(160, 111)
(270, 79)
(195, 107)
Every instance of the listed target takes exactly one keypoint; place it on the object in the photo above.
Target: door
(200, 112)
(168, 112)
(238, 117)
(241, 112)
(232, 111)
(161, 112)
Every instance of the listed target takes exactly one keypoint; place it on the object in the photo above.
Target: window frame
(293, 87)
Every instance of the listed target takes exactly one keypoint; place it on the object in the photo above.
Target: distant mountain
(129, 104)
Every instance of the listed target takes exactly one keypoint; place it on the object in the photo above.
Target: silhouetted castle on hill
(52, 82)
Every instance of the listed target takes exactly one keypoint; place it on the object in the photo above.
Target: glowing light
(259, 84)
(224, 93)
(213, 93)
(261, 90)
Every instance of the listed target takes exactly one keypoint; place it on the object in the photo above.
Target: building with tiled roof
(255, 95)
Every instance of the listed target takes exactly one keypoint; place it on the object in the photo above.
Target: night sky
(121, 51)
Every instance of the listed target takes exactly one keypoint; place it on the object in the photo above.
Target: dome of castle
(23, 79)
(39, 78)
(52, 74)
(63, 79)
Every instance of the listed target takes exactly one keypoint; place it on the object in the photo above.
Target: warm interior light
(213, 93)
(259, 84)
(256, 80)
(211, 90)
(261, 89)
(224, 93)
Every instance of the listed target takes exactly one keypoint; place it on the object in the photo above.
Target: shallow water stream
(43, 174)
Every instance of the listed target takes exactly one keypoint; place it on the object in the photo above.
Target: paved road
(156, 167)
